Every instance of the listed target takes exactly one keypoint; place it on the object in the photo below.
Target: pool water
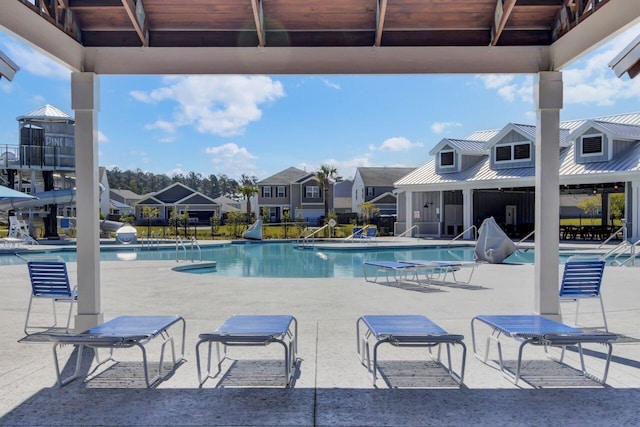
(285, 260)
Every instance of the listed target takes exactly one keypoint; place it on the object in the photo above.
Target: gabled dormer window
(447, 158)
(516, 151)
(592, 145)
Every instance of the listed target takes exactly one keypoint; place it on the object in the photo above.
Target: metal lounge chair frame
(400, 270)
(405, 331)
(433, 269)
(124, 332)
(50, 280)
(540, 331)
(582, 278)
(251, 330)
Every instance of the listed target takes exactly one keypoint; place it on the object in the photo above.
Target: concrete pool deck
(331, 387)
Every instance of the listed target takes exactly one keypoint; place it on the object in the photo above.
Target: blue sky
(259, 125)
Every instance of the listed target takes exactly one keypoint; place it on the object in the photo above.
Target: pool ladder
(194, 246)
(152, 242)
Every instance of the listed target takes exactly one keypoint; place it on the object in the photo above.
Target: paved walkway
(331, 387)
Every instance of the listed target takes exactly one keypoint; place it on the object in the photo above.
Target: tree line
(148, 182)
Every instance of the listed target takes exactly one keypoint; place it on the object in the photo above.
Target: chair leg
(604, 317)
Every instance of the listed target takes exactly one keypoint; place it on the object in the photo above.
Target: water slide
(55, 197)
(44, 198)
(254, 232)
(493, 245)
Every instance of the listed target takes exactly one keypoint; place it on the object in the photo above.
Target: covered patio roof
(319, 37)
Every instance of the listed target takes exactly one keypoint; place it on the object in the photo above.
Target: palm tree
(247, 191)
(324, 176)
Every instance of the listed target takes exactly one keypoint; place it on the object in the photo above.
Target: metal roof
(47, 112)
(628, 162)
(464, 146)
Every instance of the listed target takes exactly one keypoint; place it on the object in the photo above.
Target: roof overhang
(627, 61)
(8, 68)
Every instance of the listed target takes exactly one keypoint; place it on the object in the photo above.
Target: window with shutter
(446, 158)
(592, 144)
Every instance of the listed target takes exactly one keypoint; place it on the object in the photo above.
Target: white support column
(467, 211)
(85, 91)
(408, 204)
(632, 214)
(548, 98)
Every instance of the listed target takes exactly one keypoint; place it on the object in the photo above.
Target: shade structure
(7, 193)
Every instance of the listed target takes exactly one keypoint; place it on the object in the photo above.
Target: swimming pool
(285, 260)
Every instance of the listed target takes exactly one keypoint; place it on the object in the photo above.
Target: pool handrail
(405, 232)
(360, 232)
(475, 234)
(305, 238)
(622, 229)
(523, 239)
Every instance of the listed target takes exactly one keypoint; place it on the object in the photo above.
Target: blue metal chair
(582, 278)
(371, 233)
(49, 279)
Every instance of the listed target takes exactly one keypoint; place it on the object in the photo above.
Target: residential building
(181, 198)
(295, 191)
(375, 185)
(492, 173)
(342, 196)
(122, 202)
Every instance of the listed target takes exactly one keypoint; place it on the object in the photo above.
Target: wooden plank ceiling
(314, 23)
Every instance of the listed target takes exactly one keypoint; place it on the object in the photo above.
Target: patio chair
(49, 280)
(405, 331)
(124, 332)
(400, 270)
(582, 278)
(371, 234)
(251, 330)
(538, 330)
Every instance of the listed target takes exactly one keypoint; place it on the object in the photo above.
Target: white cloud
(218, 105)
(398, 143)
(232, 159)
(495, 81)
(33, 62)
(5, 86)
(331, 84)
(587, 81)
(140, 155)
(346, 168)
(440, 127)
(102, 138)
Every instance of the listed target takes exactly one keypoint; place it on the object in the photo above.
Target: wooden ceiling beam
(94, 4)
(501, 16)
(381, 11)
(135, 11)
(258, 17)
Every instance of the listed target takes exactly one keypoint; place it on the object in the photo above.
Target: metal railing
(475, 234)
(180, 244)
(524, 238)
(622, 230)
(149, 242)
(406, 231)
(304, 238)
